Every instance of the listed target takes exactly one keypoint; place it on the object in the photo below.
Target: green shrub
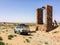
(27, 40)
(30, 37)
(6, 30)
(15, 35)
(46, 42)
(6, 43)
(56, 32)
(10, 37)
(1, 39)
(2, 43)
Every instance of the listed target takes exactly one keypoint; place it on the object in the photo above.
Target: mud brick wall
(42, 27)
(39, 16)
(48, 20)
(48, 17)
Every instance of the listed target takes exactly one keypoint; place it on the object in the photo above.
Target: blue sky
(25, 10)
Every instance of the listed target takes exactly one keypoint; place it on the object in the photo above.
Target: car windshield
(17, 27)
(20, 27)
(23, 26)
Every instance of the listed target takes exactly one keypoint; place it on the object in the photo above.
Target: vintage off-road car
(22, 29)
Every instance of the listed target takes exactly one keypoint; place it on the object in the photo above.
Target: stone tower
(48, 17)
(39, 16)
(48, 21)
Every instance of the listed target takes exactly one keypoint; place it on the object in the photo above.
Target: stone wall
(48, 21)
(42, 27)
(39, 16)
(48, 17)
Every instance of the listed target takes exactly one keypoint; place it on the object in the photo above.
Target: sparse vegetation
(6, 43)
(46, 42)
(1, 39)
(34, 37)
(15, 35)
(32, 24)
(30, 37)
(6, 30)
(3, 31)
(55, 31)
(2, 43)
(27, 40)
(10, 37)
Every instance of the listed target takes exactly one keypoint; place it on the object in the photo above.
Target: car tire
(14, 31)
(21, 33)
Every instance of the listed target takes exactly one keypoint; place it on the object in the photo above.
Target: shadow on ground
(53, 28)
(29, 34)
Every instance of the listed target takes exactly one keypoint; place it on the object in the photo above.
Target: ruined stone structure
(39, 16)
(48, 20)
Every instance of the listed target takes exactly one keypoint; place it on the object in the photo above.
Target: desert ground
(35, 38)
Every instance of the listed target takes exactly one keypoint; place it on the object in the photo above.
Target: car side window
(21, 26)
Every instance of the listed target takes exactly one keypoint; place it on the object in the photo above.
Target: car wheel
(14, 31)
(21, 33)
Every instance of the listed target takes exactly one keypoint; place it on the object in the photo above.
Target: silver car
(22, 29)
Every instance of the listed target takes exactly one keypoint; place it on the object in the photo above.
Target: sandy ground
(36, 38)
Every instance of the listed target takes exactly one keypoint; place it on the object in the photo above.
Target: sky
(25, 10)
